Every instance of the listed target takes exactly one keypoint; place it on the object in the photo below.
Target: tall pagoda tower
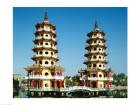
(45, 76)
(96, 75)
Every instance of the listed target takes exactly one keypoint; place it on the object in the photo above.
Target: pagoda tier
(95, 61)
(38, 40)
(45, 58)
(94, 39)
(95, 32)
(41, 48)
(90, 54)
(41, 25)
(38, 67)
(40, 32)
(89, 47)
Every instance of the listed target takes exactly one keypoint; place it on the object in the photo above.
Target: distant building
(17, 77)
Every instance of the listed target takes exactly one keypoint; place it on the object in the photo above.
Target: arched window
(52, 62)
(46, 62)
(41, 43)
(94, 65)
(89, 65)
(94, 34)
(40, 52)
(100, 65)
(95, 49)
(46, 74)
(99, 57)
(94, 57)
(100, 75)
(40, 62)
(46, 85)
(94, 75)
(46, 52)
(46, 43)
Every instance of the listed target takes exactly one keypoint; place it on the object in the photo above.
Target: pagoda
(45, 77)
(96, 75)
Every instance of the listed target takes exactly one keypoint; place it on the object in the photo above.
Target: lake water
(116, 94)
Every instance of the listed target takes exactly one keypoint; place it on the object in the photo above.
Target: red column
(60, 73)
(60, 83)
(55, 84)
(81, 82)
(32, 83)
(110, 84)
(97, 74)
(40, 83)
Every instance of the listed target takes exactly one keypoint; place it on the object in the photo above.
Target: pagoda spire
(46, 17)
(96, 27)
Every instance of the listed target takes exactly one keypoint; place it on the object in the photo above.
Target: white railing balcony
(48, 89)
(53, 31)
(94, 36)
(39, 29)
(37, 46)
(101, 78)
(96, 60)
(43, 77)
(100, 36)
(97, 44)
(98, 78)
(38, 37)
(96, 51)
(41, 89)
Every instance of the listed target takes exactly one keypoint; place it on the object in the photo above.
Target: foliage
(120, 79)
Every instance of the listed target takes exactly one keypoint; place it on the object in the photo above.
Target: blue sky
(72, 26)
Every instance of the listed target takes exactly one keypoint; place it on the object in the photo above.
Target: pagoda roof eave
(38, 67)
(45, 48)
(43, 39)
(89, 62)
(44, 57)
(43, 23)
(95, 32)
(93, 70)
